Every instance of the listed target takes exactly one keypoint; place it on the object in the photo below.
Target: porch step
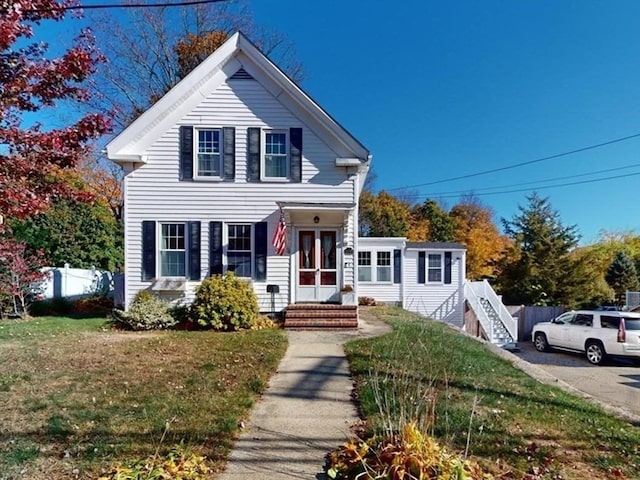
(321, 316)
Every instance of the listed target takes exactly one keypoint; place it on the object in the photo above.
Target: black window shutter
(148, 250)
(447, 267)
(253, 154)
(229, 163)
(397, 266)
(215, 248)
(421, 269)
(186, 153)
(194, 250)
(295, 138)
(261, 245)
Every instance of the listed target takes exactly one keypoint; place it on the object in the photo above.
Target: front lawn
(78, 398)
(474, 401)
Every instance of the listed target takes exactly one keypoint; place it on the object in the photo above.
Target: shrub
(225, 302)
(178, 464)
(147, 312)
(262, 322)
(366, 301)
(58, 306)
(408, 454)
(93, 306)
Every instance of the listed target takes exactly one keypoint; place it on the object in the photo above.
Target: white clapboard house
(238, 169)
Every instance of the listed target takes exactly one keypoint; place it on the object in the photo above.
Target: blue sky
(442, 89)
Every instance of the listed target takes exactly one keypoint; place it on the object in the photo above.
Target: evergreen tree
(538, 268)
(440, 225)
(622, 276)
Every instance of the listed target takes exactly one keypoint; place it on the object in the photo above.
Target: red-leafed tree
(35, 163)
(19, 276)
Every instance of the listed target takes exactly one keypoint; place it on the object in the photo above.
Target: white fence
(73, 283)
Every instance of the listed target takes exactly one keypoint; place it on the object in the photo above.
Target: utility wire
(516, 165)
(106, 6)
(555, 179)
(541, 187)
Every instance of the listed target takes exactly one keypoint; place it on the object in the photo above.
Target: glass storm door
(317, 266)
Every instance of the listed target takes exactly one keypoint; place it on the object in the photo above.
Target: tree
(538, 268)
(622, 276)
(440, 225)
(35, 163)
(19, 271)
(151, 49)
(104, 182)
(475, 229)
(383, 215)
(82, 234)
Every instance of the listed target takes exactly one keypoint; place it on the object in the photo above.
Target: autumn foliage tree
(475, 229)
(35, 162)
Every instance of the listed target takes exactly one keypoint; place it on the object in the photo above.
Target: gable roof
(234, 54)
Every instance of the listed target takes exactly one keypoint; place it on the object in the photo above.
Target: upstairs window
(276, 155)
(209, 153)
(173, 252)
(239, 250)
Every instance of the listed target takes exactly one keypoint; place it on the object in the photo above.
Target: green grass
(77, 395)
(460, 390)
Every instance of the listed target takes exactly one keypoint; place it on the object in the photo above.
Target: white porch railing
(474, 291)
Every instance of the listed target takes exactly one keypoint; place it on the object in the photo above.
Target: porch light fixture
(316, 219)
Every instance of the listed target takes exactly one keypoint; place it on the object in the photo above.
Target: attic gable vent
(241, 75)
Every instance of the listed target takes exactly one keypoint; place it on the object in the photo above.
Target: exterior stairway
(321, 316)
(499, 333)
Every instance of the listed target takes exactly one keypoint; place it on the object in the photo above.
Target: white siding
(154, 192)
(386, 292)
(436, 300)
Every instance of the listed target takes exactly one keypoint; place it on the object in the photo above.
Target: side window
(364, 266)
(607, 321)
(383, 270)
(208, 158)
(582, 320)
(434, 267)
(239, 250)
(276, 155)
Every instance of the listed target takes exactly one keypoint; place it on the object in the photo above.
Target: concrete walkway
(306, 411)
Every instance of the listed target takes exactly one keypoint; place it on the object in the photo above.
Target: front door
(317, 274)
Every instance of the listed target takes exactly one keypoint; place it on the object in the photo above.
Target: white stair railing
(483, 290)
(476, 305)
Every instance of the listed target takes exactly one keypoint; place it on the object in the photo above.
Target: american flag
(280, 235)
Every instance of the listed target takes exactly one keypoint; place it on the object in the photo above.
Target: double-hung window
(172, 250)
(364, 266)
(209, 153)
(434, 267)
(239, 250)
(383, 270)
(276, 154)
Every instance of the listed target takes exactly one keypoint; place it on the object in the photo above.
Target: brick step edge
(320, 314)
(320, 323)
(321, 306)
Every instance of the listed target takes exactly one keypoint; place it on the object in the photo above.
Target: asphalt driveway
(617, 383)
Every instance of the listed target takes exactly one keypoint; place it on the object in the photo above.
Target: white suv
(597, 333)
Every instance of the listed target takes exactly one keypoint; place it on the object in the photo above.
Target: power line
(509, 167)
(543, 187)
(105, 6)
(462, 192)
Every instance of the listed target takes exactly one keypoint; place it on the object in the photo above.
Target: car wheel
(540, 342)
(595, 352)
